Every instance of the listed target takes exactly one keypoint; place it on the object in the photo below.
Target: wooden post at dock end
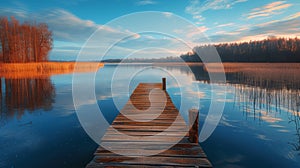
(193, 125)
(163, 83)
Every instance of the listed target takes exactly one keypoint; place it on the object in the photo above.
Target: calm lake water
(260, 126)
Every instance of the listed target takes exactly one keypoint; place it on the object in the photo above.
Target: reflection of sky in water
(261, 137)
(177, 83)
(53, 137)
(242, 138)
(248, 135)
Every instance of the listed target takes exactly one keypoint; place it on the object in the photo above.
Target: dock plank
(145, 127)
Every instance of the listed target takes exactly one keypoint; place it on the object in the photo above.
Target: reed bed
(45, 69)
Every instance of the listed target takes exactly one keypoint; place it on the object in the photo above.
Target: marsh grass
(45, 69)
(264, 91)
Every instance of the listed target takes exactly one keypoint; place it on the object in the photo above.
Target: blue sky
(73, 22)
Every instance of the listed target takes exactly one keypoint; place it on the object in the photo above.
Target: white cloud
(268, 10)
(293, 16)
(225, 25)
(201, 30)
(18, 13)
(195, 8)
(64, 25)
(199, 19)
(69, 28)
(227, 33)
(287, 27)
(193, 34)
(146, 2)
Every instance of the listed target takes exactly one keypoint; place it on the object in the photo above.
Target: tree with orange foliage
(27, 42)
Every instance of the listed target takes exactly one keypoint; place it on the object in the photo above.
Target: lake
(260, 125)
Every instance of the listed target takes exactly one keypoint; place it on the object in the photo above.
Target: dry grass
(45, 69)
(280, 72)
(238, 67)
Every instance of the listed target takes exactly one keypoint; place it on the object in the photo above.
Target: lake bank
(45, 69)
(230, 67)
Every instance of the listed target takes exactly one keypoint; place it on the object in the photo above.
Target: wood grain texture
(148, 132)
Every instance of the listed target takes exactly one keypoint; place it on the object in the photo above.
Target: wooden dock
(144, 136)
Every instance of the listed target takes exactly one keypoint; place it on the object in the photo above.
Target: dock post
(163, 83)
(193, 123)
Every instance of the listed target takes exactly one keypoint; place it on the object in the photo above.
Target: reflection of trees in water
(268, 93)
(263, 90)
(269, 86)
(273, 87)
(262, 86)
(269, 99)
(26, 94)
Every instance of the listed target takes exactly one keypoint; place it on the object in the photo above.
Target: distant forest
(268, 50)
(143, 60)
(26, 42)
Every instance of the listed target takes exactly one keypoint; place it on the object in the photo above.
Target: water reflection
(30, 88)
(260, 89)
(268, 98)
(266, 92)
(295, 118)
(264, 96)
(272, 88)
(20, 95)
(260, 127)
(263, 92)
(262, 86)
(1, 103)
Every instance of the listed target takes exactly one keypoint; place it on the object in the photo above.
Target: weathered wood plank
(143, 133)
(120, 165)
(155, 160)
(169, 153)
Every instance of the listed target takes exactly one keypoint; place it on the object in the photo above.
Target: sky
(175, 27)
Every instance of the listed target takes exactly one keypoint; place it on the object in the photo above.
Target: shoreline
(45, 69)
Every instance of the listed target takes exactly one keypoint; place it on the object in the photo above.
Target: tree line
(269, 50)
(26, 42)
(143, 60)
